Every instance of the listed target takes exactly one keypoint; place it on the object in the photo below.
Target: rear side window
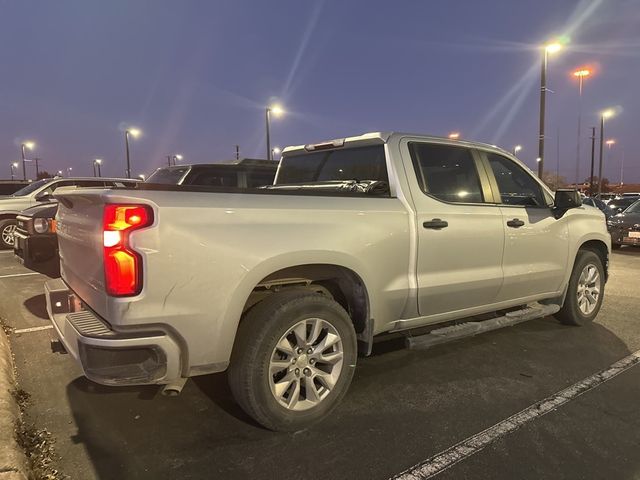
(259, 179)
(446, 172)
(356, 163)
(517, 187)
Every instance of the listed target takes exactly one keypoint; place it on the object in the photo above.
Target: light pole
(549, 48)
(14, 165)
(60, 173)
(69, 170)
(516, 149)
(96, 164)
(580, 74)
(276, 110)
(30, 146)
(609, 143)
(604, 114)
(134, 132)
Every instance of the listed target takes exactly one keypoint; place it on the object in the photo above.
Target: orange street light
(454, 135)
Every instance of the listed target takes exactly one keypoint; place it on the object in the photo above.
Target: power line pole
(37, 160)
(237, 152)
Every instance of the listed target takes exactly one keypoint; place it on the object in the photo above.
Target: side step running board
(468, 329)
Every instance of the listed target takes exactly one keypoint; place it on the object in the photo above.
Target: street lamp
(275, 151)
(550, 48)
(142, 177)
(516, 149)
(605, 114)
(278, 111)
(60, 172)
(14, 165)
(580, 74)
(454, 135)
(30, 146)
(69, 170)
(97, 163)
(134, 132)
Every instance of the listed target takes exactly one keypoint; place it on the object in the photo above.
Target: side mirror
(44, 197)
(567, 198)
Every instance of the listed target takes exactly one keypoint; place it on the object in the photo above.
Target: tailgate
(79, 228)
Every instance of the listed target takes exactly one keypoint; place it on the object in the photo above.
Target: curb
(13, 462)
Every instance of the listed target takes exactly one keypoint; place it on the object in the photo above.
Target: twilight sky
(195, 76)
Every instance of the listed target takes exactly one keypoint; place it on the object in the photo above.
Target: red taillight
(123, 265)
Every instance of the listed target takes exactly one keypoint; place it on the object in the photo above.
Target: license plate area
(634, 234)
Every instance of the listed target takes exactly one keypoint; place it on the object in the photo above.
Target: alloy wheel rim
(305, 364)
(589, 285)
(7, 234)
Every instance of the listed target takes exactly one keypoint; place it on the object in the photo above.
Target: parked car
(247, 173)
(625, 227)
(619, 204)
(36, 193)
(35, 241)
(283, 286)
(7, 187)
(599, 204)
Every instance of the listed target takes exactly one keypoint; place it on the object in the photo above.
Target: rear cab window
(168, 176)
(364, 168)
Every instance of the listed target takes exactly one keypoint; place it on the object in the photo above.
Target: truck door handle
(436, 224)
(515, 223)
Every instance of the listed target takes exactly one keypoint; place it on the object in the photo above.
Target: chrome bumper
(108, 356)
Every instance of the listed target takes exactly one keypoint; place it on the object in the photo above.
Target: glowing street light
(454, 135)
(97, 163)
(275, 151)
(605, 114)
(549, 48)
(60, 173)
(14, 165)
(142, 177)
(30, 146)
(580, 74)
(610, 143)
(133, 132)
(278, 111)
(171, 159)
(516, 149)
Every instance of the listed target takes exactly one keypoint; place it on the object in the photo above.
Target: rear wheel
(7, 229)
(293, 360)
(585, 291)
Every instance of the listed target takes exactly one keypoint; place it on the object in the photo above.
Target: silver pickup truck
(283, 286)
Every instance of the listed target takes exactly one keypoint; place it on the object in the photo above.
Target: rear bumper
(107, 356)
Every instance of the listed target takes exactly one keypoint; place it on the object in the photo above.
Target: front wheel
(293, 359)
(7, 229)
(585, 291)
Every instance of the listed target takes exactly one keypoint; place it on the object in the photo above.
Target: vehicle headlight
(41, 225)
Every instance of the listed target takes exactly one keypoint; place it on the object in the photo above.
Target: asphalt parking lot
(403, 407)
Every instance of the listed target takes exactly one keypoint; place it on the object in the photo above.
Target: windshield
(32, 187)
(168, 176)
(635, 208)
(358, 163)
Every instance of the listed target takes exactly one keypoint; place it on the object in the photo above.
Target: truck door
(536, 245)
(460, 232)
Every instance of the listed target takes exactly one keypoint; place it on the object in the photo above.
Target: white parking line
(19, 275)
(6, 251)
(467, 447)
(33, 329)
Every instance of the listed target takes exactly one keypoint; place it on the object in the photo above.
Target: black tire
(263, 327)
(3, 225)
(570, 313)
(616, 246)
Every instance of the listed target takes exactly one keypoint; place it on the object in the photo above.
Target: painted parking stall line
(469, 446)
(19, 275)
(33, 329)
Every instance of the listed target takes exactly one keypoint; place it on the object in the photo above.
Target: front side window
(517, 187)
(446, 172)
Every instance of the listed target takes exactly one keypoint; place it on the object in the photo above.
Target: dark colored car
(625, 227)
(599, 204)
(35, 242)
(246, 173)
(8, 187)
(619, 204)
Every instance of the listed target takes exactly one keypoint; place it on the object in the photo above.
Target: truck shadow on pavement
(403, 406)
(37, 306)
